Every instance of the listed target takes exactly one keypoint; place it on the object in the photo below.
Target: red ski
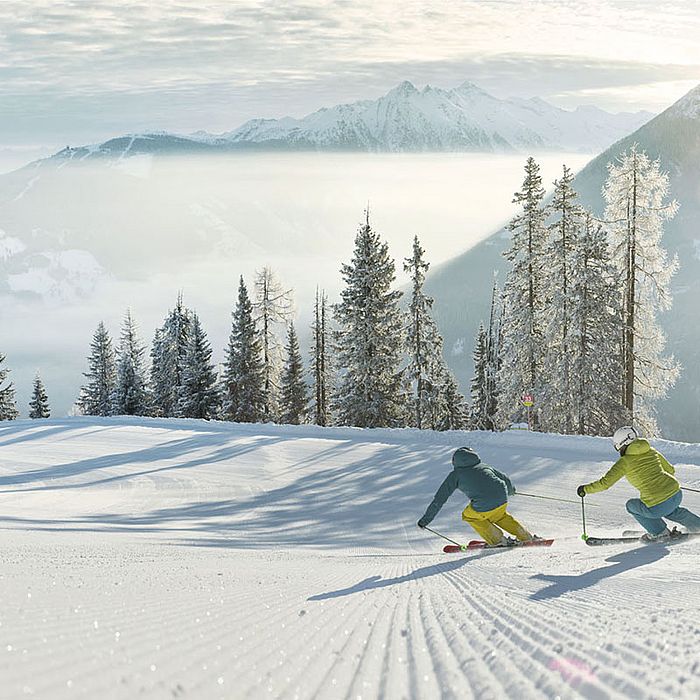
(480, 544)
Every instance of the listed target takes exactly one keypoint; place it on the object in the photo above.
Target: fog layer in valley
(80, 242)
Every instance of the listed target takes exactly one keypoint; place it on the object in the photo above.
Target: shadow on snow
(625, 561)
(374, 582)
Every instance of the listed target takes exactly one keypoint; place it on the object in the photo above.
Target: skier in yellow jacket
(649, 472)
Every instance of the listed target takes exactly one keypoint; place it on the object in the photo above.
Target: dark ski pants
(650, 517)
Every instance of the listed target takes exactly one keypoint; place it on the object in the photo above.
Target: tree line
(38, 406)
(574, 331)
(372, 362)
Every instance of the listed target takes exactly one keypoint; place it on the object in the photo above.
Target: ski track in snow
(179, 559)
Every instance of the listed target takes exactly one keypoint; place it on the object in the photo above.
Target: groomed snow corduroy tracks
(167, 559)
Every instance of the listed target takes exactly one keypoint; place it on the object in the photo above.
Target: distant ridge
(406, 119)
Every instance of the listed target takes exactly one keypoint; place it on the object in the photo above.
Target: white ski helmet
(624, 436)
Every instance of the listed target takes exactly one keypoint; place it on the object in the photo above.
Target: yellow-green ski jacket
(646, 469)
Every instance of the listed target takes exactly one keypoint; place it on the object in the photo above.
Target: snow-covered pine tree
(272, 308)
(493, 357)
(522, 326)
(636, 208)
(426, 365)
(595, 333)
(244, 383)
(39, 404)
(558, 395)
(479, 390)
(198, 392)
(130, 396)
(8, 405)
(369, 340)
(444, 404)
(321, 367)
(168, 354)
(294, 402)
(455, 412)
(96, 397)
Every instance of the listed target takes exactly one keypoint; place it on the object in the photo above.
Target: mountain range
(406, 119)
(674, 138)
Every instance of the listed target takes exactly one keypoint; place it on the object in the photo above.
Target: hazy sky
(77, 71)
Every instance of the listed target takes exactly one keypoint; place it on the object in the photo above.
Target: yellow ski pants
(491, 523)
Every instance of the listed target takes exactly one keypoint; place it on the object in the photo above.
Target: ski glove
(421, 524)
(581, 491)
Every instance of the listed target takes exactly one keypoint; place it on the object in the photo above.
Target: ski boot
(665, 535)
(506, 542)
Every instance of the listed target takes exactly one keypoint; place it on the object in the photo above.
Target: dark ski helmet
(465, 457)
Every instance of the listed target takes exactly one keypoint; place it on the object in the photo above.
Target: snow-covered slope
(688, 107)
(465, 118)
(172, 559)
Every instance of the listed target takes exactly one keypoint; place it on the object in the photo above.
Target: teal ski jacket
(486, 487)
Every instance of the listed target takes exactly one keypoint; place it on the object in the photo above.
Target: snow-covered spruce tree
(130, 396)
(522, 326)
(243, 380)
(445, 407)
(321, 367)
(558, 395)
(199, 391)
(96, 396)
(426, 365)
(168, 353)
(493, 358)
(294, 402)
(272, 308)
(595, 333)
(455, 412)
(39, 404)
(636, 208)
(8, 405)
(484, 391)
(479, 391)
(369, 340)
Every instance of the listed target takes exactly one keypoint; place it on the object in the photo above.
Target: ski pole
(687, 488)
(435, 532)
(584, 536)
(546, 498)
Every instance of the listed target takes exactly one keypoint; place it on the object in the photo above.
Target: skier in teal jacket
(488, 491)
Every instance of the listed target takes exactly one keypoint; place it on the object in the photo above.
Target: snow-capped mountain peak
(404, 88)
(464, 118)
(469, 88)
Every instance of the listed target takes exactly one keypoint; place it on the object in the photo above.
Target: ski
(480, 544)
(677, 537)
(675, 532)
(598, 541)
